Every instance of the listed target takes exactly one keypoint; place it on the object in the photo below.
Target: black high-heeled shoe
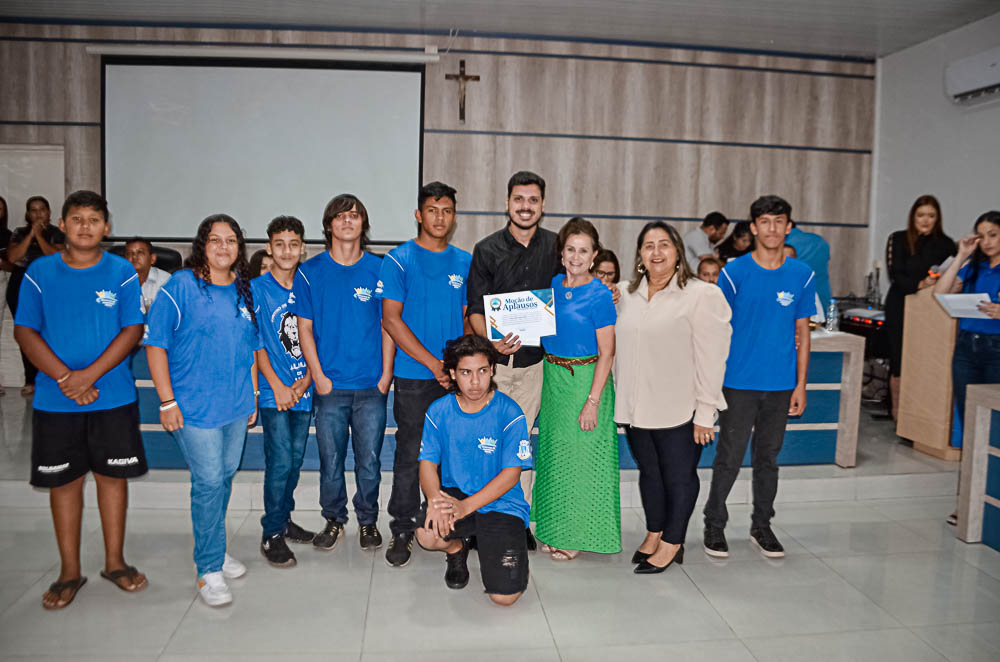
(639, 557)
(646, 568)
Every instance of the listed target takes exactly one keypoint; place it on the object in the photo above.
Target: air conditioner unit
(974, 80)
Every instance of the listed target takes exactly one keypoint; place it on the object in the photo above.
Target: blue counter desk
(826, 433)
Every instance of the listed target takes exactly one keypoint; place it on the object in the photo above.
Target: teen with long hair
(203, 333)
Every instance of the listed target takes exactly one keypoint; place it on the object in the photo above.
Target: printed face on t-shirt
(85, 227)
(289, 335)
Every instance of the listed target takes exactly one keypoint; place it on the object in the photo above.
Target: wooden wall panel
(570, 96)
(549, 87)
(650, 179)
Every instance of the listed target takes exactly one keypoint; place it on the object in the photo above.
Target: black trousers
(764, 413)
(12, 294)
(668, 477)
(411, 399)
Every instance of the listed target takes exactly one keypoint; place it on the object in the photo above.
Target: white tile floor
(863, 580)
(872, 573)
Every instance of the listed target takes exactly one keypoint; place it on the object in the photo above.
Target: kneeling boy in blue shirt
(78, 319)
(478, 439)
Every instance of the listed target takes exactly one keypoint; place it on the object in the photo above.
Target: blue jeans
(976, 361)
(360, 414)
(213, 457)
(285, 435)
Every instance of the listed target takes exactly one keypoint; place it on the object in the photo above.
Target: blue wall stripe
(669, 219)
(673, 63)
(439, 32)
(677, 141)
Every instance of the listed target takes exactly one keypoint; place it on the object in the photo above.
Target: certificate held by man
(529, 314)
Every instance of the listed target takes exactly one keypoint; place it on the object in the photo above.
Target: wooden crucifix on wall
(462, 79)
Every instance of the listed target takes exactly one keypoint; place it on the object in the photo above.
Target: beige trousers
(524, 386)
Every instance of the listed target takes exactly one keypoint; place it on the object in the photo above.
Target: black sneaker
(530, 540)
(328, 537)
(397, 554)
(457, 573)
(295, 533)
(715, 543)
(766, 543)
(276, 551)
(369, 537)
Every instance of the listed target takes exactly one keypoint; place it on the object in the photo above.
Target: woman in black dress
(909, 256)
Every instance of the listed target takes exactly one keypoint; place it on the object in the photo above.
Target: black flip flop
(129, 572)
(57, 588)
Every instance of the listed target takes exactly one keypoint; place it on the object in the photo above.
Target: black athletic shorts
(501, 544)
(66, 445)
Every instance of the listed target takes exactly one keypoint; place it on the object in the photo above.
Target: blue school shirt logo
(106, 297)
(378, 287)
(487, 445)
(291, 298)
(786, 298)
(524, 450)
(362, 294)
(456, 281)
(245, 313)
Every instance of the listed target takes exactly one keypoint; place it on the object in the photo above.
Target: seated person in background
(738, 244)
(698, 243)
(140, 253)
(789, 251)
(260, 263)
(478, 438)
(709, 268)
(606, 268)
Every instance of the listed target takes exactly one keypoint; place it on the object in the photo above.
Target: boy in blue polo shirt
(477, 440)
(772, 297)
(78, 318)
(340, 326)
(422, 287)
(285, 400)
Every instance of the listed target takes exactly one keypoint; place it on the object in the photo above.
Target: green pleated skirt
(575, 502)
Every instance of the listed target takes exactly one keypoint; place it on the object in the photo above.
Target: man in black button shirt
(521, 256)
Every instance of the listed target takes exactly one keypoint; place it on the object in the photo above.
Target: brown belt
(569, 363)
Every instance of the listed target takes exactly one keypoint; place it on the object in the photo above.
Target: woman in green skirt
(576, 503)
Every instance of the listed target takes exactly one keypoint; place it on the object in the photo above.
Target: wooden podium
(925, 400)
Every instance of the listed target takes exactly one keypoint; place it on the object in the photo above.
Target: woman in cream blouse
(673, 339)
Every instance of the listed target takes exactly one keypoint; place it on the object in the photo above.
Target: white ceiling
(865, 28)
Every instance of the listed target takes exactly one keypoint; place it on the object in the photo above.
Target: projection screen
(257, 139)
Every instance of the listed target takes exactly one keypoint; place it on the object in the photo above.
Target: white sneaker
(213, 590)
(233, 569)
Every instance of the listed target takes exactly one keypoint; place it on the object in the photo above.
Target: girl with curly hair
(203, 333)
